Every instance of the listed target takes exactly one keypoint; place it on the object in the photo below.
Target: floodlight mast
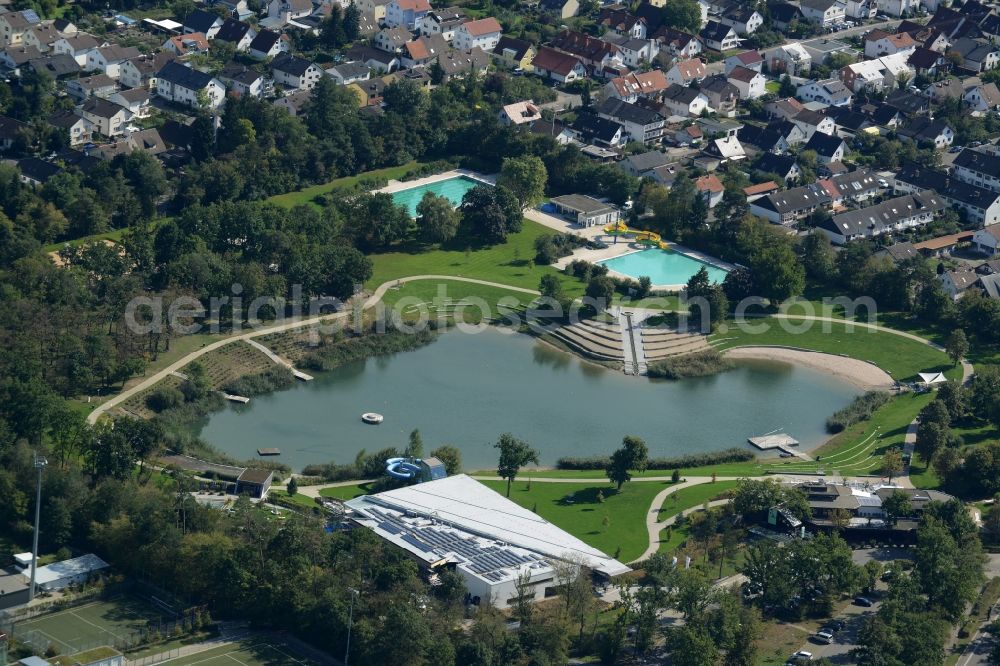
(40, 463)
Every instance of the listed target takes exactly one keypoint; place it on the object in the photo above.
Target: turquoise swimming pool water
(662, 266)
(452, 189)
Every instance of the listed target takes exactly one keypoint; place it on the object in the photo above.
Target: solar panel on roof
(414, 541)
(389, 527)
(31, 16)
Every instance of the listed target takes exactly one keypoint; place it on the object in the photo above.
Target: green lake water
(452, 189)
(465, 389)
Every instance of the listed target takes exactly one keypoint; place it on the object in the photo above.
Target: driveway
(883, 555)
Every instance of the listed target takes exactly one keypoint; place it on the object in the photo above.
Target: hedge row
(860, 409)
(678, 462)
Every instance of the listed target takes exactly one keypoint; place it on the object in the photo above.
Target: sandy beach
(864, 375)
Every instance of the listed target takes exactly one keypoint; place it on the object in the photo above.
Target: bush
(273, 379)
(860, 409)
(331, 356)
(164, 398)
(676, 463)
(699, 364)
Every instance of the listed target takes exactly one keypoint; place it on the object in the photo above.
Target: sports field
(116, 623)
(245, 653)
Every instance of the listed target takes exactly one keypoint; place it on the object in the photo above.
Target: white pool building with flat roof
(459, 523)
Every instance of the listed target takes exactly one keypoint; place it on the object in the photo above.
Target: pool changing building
(459, 523)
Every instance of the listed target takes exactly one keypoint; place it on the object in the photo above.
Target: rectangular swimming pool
(453, 189)
(662, 266)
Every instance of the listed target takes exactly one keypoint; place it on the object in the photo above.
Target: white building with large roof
(459, 523)
(58, 575)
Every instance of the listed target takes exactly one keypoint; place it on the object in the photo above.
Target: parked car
(863, 601)
(835, 625)
(823, 636)
(800, 657)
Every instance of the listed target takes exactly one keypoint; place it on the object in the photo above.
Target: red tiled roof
(482, 27)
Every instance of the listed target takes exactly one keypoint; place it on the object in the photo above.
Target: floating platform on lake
(236, 398)
(372, 418)
(773, 441)
(269, 451)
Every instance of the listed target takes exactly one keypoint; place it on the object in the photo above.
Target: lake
(465, 389)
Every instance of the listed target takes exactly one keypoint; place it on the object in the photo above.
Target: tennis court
(246, 653)
(115, 622)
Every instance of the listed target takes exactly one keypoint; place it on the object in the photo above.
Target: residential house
(109, 59)
(457, 63)
(13, 57)
(898, 7)
(98, 85)
(520, 113)
(790, 206)
(686, 72)
(926, 62)
(677, 43)
(690, 135)
(977, 205)
(184, 85)
(749, 59)
(791, 59)
(785, 167)
(956, 283)
(641, 124)
(553, 129)
(828, 91)
(749, 82)
(824, 12)
(77, 128)
(754, 192)
(406, 13)
(909, 103)
(784, 14)
(827, 148)
(136, 100)
(591, 51)
(42, 36)
(811, 122)
(636, 52)
(593, 129)
(719, 36)
(683, 101)
(620, 21)
(821, 49)
(978, 55)
(785, 108)
(726, 149)
(710, 188)
(767, 140)
(285, 11)
(950, 88)
(563, 9)
(443, 22)
(295, 72)
(106, 117)
(349, 72)
(861, 9)
(77, 46)
(514, 54)
(635, 85)
(376, 59)
(56, 65)
(242, 81)
(853, 187)
(182, 45)
(13, 25)
(237, 33)
(899, 253)
(983, 97)
(929, 132)
(558, 66)
(879, 43)
(744, 19)
(268, 44)
(392, 40)
(423, 52)
(141, 72)
(483, 33)
(296, 102)
(376, 9)
(722, 95)
(987, 240)
(642, 164)
(36, 172)
(876, 74)
(204, 22)
(898, 214)
(847, 122)
(977, 168)
(792, 133)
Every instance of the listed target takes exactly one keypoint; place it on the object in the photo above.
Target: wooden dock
(778, 440)
(236, 398)
(269, 451)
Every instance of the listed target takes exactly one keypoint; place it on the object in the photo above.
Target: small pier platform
(777, 440)
(269, 451)
(236, 398)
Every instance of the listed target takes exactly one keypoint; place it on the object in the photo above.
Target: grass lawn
(439, 297)
(307, 195)
(576, 509)
(298, 499)
(772, 87)
(507, 264)
(345, 493)
(250, 652)
(114, 235)
(688, 498)
(901, 357)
